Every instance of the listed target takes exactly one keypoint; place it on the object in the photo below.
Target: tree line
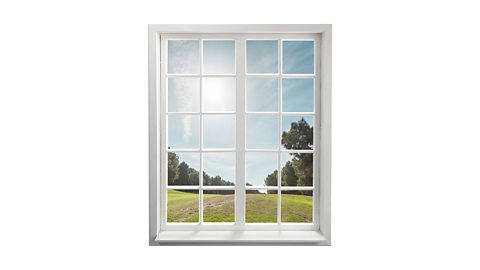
(179, 173)
(297, 172)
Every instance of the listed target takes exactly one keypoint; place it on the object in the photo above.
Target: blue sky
(218, 131)
(262, 94)
(183, 131)
(221, 164)
(298, 57)
(262, 56)
(183, 57)
(218, 56)
(218, 95)
(297, 94)
(183, 94)
(258, 165)
(262, 131)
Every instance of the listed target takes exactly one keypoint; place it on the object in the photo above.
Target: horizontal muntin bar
(281, 150)
(202, 150)
(279, 75)
(312, 151)
(283, 113)
(200, 113)
(204, 187)
(296, 188)
(184, 187)
(268, 113)
(261, 150)
(298, 113)
(279, 188)
(261, 187)
(246, 187)
(200, 75)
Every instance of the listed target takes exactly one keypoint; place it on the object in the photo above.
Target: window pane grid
(201, 188)
(279, 117)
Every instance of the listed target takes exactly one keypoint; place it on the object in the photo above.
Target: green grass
(183, 207)
(218, 208)
(261, 208)
(296, 208)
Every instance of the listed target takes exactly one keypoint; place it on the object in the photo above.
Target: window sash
(240, 188)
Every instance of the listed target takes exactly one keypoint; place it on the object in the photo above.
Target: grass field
(183, 207)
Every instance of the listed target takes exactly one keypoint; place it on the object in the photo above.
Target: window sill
(242, 237)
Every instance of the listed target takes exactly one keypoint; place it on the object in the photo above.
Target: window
(238, 142)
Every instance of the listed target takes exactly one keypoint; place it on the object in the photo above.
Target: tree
(182, 174)
(216, 181)
(207, 181)
(172, 167)
(303, 165)
(300, 136)
(288, 175)
(181, 177)
(271, 180)
(192, 177)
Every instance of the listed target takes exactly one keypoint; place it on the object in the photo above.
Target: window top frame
(267, 31)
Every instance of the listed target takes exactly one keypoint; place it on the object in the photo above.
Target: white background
(73, 139)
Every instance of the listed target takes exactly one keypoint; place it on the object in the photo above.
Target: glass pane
(219, 169)
(297, 169)
(297, 95)
(183, 94)
(219, 57)
(261, 206)
(262, 131)
(218, 131)
(298, 57)
(183, 131)
(218, 94)
(297, 206)
(182, 205)
(261, 168)
(262, 56)
(183, 168)
(218, 206)
(297, 132)
(183, 57)
(262, 94)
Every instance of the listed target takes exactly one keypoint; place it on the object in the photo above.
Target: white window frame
(318, 232)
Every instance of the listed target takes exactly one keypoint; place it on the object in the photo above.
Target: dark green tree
(303, 165)
(207, 181)
(217, 181)
(182, 174)
(181, 177)
(288, 175)
(271, 180)
(192, 177)
(300, 137)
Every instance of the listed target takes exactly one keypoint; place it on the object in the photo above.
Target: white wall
(73, 139)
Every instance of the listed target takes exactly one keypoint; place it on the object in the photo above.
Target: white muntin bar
(200, 173)
(279, 154)
(240, 196)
